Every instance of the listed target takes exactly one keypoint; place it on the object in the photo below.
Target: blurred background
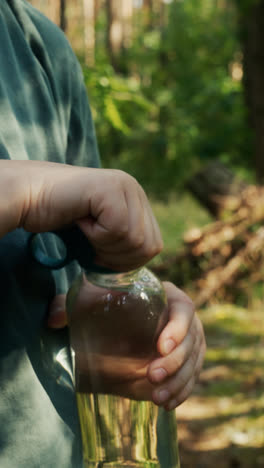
(177, 94)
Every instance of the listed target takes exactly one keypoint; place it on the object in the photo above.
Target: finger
(180, 386)
(153, 240)
(181, 313)
(143, 241)
(186, 392)
(57, 317)
(108, 225)
(188, 388)
(121, 261)
(127, 227)
(138, 389)
(177, 382)
(199, 363)
(164, 367)
(136, 219)
(116, 211)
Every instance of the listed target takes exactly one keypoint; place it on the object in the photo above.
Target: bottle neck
(113, 280)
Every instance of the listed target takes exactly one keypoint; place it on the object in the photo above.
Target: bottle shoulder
(141, 279)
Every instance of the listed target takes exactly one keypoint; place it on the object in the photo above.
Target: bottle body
(115, 321)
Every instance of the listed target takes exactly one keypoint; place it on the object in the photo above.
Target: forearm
(40, 196)
(14, 197)
(110, 206)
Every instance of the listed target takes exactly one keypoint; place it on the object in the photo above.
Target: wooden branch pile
(225, 259)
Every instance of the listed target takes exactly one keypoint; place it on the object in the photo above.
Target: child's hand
(167, 380)
(182, 345)
(109, 206)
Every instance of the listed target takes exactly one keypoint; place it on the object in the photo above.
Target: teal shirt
(44, 115)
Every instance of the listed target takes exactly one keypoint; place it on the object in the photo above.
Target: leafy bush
(177, 106)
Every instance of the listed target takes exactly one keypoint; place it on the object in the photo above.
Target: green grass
(175, 217)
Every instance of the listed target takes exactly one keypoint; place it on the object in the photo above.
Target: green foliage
(175, 217)
(244, 6)
(177, 106)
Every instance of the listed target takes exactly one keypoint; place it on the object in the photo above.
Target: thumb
(57, 317)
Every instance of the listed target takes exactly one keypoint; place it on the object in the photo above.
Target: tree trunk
(127, 15)
(148, 13)
(63, 19)
(54, 11)
(148, 4)
(252, 29)
(114, 31)
(89, 30)
(97, 6)
(157, 7)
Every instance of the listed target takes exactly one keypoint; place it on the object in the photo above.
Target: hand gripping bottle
(115, 320)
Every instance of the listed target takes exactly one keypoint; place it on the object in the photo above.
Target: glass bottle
(115, 320)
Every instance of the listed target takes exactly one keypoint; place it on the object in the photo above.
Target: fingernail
(162, 396)
(158, 374)
(168, 346)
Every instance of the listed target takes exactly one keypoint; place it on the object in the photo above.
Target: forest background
(176, 89)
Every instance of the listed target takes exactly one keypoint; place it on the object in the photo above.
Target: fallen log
(218, 260)
(217, 188)
(223, 275)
